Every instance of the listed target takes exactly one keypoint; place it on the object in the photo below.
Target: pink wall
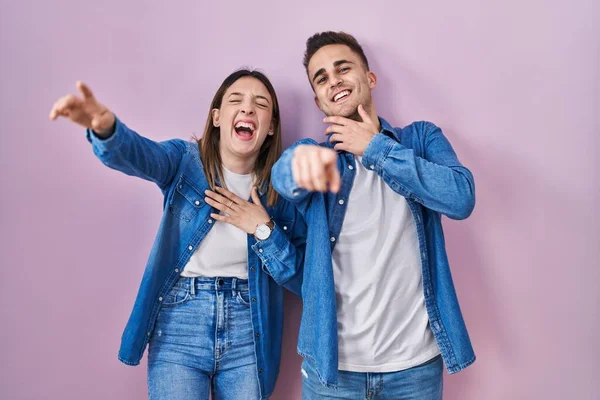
(514, 85)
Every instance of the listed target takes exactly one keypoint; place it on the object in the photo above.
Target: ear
(372, 78)
(216, 114)
(271, 130)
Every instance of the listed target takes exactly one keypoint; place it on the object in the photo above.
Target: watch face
(263, 232)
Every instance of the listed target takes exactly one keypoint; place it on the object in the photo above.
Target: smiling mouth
(341, 96)
(245, 130)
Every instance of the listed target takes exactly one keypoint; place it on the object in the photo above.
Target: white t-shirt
(382, 319)
(224, 250)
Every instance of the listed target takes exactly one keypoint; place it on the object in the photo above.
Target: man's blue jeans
(423, 382)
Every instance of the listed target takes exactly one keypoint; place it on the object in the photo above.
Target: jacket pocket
(187, 199)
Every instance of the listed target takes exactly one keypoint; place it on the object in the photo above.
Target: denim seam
(130, 363)
(329, 385)
(255, 347)
(431, 307)
(462, 366)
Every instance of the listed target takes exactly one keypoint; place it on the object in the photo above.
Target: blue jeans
(423, 382)
(203, 342)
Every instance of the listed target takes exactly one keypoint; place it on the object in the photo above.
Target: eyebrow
(257, 96)
(335, 64)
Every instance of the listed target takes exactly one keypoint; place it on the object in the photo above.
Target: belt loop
(234, 286)
(193, 286)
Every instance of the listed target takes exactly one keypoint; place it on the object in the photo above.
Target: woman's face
(244, 119)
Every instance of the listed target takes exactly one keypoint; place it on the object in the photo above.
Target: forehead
(248, 85)
(327, 55)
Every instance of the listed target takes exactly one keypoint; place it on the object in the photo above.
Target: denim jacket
(175, 166)
(418, 163)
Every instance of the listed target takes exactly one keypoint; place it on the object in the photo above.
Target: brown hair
(269, 152)
(322, 39)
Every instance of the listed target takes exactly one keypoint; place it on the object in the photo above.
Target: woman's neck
(238, 165)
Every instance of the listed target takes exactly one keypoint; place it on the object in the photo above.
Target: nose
(335, 80)
(247, 109)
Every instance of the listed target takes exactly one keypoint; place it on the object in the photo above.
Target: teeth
(341, 94)
(242, 124)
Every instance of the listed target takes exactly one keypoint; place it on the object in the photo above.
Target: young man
(380, 310)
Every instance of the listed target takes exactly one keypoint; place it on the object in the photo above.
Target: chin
(245, 150)
(346, 111)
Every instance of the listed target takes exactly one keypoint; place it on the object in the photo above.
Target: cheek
(223, 136)
(265, 121)
(226, 116)
(322, 99)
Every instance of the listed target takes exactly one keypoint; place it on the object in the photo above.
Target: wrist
(264, 230)
(104, 132)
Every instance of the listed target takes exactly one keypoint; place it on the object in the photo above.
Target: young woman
(210, 303)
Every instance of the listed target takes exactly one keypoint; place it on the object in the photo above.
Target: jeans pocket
(243, 297)
(177, 295)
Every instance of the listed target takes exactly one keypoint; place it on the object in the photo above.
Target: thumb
(363, 114)
(255, 196)
(328, 156)
(335, 181)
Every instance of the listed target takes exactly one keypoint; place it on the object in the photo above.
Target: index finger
(334, 179)
(334, 119)
(85, 90)
(230, 195)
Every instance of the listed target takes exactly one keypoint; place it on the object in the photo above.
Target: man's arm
(438, 180)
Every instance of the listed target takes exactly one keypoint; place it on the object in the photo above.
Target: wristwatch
(263, 231)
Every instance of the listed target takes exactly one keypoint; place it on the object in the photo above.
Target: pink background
(515, 85)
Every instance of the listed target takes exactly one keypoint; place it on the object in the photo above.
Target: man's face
(341, 81)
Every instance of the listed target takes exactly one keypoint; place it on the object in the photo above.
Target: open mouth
(245, 130)
(341, 96)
